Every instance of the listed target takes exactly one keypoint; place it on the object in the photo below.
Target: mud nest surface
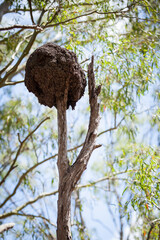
(48, 70)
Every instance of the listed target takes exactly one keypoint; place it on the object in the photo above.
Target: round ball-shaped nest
(50, 70)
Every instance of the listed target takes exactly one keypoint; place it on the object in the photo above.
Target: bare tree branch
(19, 150)
(119, 12)
(14, 54)
(30, 9)
(36, 216)
(42, 195)
(111, 177)
(19, 70)
(53, 156)
(81, 163)
(55, 14)
(13, 83)
(24, 53)
(149, 232)
(15, 211)
(155, 220)
(35, 27)
(71, 19)
(62, 7)
(6, 226)
(119, 200)
(4, 8)
(111, 129)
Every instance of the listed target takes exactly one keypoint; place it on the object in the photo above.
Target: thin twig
(25, 51)
(15, 211)
(36, 216)
(120, 11)
(155, 220)
(19, 150)
(30, 9)
(42, 195)
(111, 129)
(104, 179)
(47, 159)
(14, 54)
(85, 60)
(71, 19)
(35, 27)
(13, 83)
(150, 230)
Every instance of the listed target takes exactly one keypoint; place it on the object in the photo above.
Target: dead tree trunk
(64, 198)
(69, 175)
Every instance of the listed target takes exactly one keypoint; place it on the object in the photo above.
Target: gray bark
(69, 175)
(64, 197)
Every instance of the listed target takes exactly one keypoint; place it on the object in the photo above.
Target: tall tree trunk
(69, 175)
(64, 197)
(64, 211)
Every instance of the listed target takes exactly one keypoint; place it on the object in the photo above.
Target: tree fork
(69, 175)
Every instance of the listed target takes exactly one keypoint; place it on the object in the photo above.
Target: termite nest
(52, 71)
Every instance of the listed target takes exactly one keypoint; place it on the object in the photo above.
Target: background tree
(124, 38)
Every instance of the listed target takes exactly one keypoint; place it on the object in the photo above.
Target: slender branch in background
(20, 69)
(47, 159)
(13, 165)
(110, 209)
(6, 226)
(149, 232)
(4, 8)
(13, 83)
(78, 214)
(13, 35)
(42, 195)
(156, 205)
(12, 201)
(111, 129)
(36, 216)
(155, 221)
(142, 19)
(119, 200)
(14, 54)
(55, 15)
(71, 19)
(15, 211)
(108, 130)
(19, 150)
(30, 9)
(120, 12)
(111, 177)
(24, 53)
(66, 7)
(35, 27)
(66, 21)
(118, 15)
(85, 60)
